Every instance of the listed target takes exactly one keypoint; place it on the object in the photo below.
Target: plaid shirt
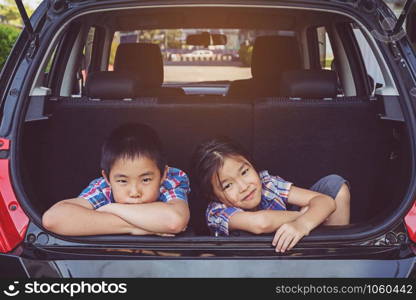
(274, 194)
(175, 186)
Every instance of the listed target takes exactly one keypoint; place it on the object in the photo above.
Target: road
(192, 73)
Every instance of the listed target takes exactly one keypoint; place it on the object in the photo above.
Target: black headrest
(273, 55)
(144, 60)
(309, 84)
(111, 85)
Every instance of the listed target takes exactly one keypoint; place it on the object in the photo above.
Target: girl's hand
(288, 235)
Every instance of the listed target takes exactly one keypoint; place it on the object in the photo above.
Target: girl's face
(237, 183)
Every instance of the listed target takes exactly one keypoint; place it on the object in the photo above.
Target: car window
(370, 60)
(320, 52)
(185, 63)
(48, 68)
(87, 51)
(326, 55)
(82, 72)
(46, 81)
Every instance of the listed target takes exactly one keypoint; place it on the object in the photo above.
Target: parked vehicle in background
(199, 55)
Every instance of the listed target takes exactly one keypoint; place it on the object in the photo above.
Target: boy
(137, 194)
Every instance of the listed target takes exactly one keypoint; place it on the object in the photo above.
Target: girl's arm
(262, 221)
(77, 217)
(320, 206)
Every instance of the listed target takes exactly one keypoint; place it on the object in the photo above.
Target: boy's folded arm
(161, 217)
(77, 217)
(262, 221)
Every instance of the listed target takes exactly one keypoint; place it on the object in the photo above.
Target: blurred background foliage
(10, 25)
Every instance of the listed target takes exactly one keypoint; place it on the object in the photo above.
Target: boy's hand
(304, 209)
(155, 217)
(104, 208)
(288, 235)
(135, 230)
(165, 234)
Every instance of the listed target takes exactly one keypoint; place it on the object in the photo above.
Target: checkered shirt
(175, 186)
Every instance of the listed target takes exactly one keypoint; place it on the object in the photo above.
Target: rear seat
(303, 139)
(102, 85)
(144, 60)
(78, 127)
(272, 55)
(314, 84)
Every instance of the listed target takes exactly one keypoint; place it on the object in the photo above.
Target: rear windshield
(184, 63)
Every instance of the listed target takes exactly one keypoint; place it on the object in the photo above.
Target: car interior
(299, 116)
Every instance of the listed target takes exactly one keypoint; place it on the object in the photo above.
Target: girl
(240, 198)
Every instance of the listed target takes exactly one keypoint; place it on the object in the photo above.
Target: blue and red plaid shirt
(274, 194)
(175, 186)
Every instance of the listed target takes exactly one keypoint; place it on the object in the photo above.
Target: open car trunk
(301, 140)
(356, 134)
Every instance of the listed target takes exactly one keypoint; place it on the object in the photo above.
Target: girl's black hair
(208, 158)
(130, 141)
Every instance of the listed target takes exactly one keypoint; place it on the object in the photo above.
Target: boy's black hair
(130, 141)
(208, 158)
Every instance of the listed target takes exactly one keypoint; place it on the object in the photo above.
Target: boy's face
(135, 181)
(238, 184)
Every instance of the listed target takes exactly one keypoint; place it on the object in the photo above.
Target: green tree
(150, 36)
(245, 53)
(10, 13)
(8, 36)
(173, 39)
(114, 46)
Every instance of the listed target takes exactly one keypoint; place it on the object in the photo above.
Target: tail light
(13, 220)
